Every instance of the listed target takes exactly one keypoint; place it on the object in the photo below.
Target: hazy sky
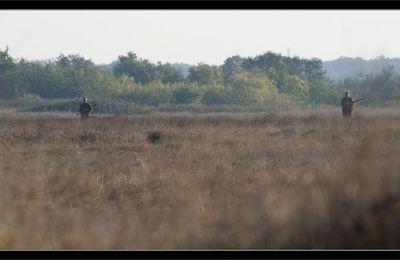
(193, 36)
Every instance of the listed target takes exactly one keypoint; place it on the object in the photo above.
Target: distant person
(85, 108)
(347, 105)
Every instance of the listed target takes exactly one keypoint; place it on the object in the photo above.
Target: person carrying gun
(85, 108)
(348, 104)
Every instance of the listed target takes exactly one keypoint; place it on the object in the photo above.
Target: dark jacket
(85, 108)
(347, 102)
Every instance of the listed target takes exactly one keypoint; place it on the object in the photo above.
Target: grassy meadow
(299, 180)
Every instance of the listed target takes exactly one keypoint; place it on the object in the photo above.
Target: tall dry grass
(294, 180)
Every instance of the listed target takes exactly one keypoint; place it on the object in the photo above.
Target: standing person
(347, 105)
(85, 108)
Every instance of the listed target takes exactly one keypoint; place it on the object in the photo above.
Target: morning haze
(102, 147)
(199, 36)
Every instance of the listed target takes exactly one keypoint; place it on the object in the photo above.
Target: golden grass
(290, 180)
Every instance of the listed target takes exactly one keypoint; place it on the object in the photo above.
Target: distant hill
(345, 67)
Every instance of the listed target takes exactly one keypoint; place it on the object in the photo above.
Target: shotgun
(95, 104)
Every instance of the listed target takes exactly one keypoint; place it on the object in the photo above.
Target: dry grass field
(305, 179)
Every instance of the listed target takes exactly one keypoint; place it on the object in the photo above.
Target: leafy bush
(89, 137)
(184, 95)
(154, 137)
(214, 96)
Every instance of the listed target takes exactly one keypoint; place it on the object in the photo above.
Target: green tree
(322, 92)
(6, 61)
(185, 95)
(141, 70)
(7, 66)
(166, 73)
(215, 95)
(232, 65)
(251, 88)
(204, 74)
(295, 86)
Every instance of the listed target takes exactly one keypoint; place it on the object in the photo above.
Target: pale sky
(193, 36)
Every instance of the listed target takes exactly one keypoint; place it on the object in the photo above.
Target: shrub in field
(28, 135)
(154, 137)
(24, 136)
(89, 137)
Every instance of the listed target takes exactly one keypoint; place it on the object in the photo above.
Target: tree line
(264, 79)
